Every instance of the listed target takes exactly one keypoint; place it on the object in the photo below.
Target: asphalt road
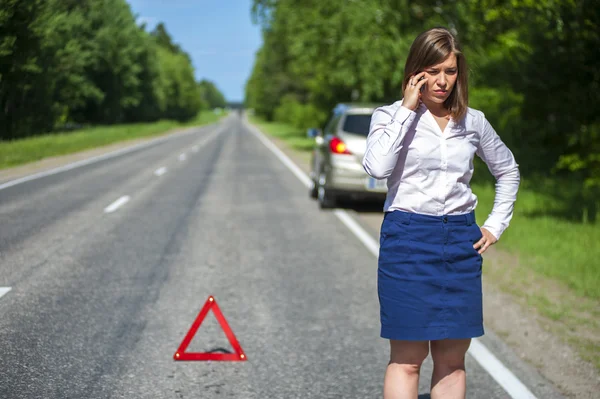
(103, 295)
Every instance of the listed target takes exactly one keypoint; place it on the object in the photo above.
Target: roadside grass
(18, 152)
(554, 264)
(573, 318)
(292, 136)
(553, 247)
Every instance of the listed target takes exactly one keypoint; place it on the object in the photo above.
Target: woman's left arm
(503, 166)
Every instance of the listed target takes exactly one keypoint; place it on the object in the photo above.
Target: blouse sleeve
(384, 141)
(503, 166)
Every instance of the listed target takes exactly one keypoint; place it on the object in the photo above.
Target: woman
(429, 274)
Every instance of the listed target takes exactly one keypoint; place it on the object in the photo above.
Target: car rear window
(357, 124)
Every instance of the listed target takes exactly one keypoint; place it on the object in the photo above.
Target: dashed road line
(4, 291)
(117, 204)
(95, 159)
(160, 171)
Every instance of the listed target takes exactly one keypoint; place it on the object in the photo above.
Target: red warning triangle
(181, 354)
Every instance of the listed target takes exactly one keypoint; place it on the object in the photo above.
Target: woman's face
(441, 79)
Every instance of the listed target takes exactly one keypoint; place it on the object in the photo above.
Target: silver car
(336, 160)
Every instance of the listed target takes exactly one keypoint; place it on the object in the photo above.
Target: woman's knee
(450, 353)
(409, 354)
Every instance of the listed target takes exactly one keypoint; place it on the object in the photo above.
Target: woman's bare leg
(402, 375)
(449, 379)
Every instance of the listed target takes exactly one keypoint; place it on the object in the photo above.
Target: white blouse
(429, 171)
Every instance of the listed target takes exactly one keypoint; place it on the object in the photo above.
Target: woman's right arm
(384, 142)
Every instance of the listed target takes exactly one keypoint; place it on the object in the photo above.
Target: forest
(66, 64)
(533, 69)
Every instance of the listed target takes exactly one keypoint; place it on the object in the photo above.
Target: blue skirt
(429, 277)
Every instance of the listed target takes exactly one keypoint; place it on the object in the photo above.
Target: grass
(18, 152)
(552, 264)
(573, 318)
(294, 137)
(558, 268)
(553, 247)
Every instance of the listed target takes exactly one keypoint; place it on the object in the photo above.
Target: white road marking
(4, 291)
(362, 235)
(118, 203)
(503, 376)
(499, 372)
(182, 157)
(282, 157)
(88, 161)
(160, 171)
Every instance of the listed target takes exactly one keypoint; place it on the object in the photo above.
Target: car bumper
(351, 177)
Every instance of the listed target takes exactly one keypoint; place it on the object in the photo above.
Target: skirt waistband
(407, 217)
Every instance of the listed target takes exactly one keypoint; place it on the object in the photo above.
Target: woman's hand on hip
(486, 241)
(412, 92)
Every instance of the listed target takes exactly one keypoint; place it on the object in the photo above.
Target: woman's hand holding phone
(412, 92)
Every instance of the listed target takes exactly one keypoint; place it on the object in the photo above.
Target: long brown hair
(431, 48)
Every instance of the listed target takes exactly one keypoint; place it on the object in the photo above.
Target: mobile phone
(425, 84)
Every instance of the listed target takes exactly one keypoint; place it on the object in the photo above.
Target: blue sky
(218, 35)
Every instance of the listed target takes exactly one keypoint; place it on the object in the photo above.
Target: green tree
(87, 62)
(211, 96)
(117, 44)
(533, 70)
(176, 77)
(43, 65)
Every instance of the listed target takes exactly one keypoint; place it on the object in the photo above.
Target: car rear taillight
(337, 146)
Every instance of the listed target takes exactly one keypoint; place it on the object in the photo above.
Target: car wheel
(313, 190)
(325, 197)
